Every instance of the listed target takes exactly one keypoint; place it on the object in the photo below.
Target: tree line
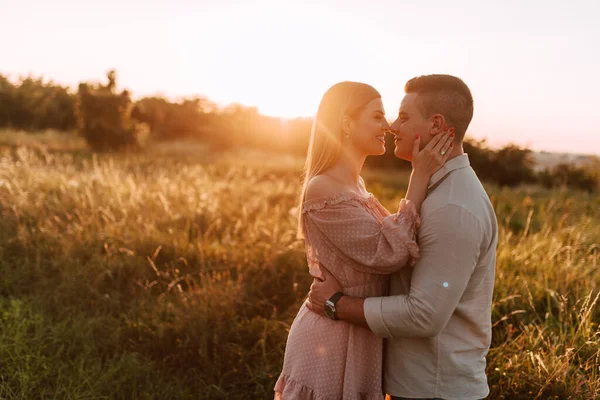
(110, 120)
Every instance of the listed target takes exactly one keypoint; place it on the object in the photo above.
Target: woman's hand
(433, 156)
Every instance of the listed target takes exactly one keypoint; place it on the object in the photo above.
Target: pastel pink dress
(360, 243)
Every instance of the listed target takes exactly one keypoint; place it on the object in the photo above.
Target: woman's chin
(377, 152)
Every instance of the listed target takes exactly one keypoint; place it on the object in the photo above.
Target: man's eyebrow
(403, 113)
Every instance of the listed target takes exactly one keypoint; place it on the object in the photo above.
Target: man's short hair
(446, 95)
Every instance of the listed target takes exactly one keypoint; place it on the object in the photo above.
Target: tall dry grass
(177, 275)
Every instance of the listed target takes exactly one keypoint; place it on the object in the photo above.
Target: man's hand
(321, 290)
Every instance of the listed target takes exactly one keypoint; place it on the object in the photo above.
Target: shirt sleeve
(450, 245)
(363, 242)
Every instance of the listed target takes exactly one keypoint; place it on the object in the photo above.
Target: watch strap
(336, 296)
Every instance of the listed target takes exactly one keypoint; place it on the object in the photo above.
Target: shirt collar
(457, 162)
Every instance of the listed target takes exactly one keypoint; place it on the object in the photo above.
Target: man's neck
(458, 150)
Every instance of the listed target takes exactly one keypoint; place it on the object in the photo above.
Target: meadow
(176, 273)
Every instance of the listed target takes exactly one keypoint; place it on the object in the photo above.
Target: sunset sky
(533, 66)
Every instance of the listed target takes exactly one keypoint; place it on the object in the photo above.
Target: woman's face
(368, 131)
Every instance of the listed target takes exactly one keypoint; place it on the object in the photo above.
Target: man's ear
(438, 124)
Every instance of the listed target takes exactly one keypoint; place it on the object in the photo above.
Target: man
(437, 318)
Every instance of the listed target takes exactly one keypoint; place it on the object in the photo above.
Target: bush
(32, 105)
(569, 175)
(169, 121)
(105, 116)
(508, 166)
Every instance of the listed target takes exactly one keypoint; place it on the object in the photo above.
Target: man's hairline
(417, 93)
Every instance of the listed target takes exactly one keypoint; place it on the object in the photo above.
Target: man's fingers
(310, 299)
(325, 271)
(314, 285)
(312, 308)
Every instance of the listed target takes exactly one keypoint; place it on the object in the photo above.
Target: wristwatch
(330, 305)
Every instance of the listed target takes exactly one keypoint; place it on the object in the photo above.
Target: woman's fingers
(447, 148)
(434, 142)
(445, 139)
(416, 146)
(435, 154)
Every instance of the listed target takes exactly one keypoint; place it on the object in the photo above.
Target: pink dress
(360, 243)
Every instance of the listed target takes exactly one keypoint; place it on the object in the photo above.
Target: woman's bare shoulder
(320, 186)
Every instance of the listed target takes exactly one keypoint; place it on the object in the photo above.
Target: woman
(346, 229)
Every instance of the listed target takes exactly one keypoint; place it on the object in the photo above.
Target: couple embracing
(400, 304)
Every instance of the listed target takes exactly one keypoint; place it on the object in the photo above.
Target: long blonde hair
(325, 146)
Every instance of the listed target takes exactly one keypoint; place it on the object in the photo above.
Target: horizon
(531, 62)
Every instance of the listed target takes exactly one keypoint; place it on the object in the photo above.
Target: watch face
(330, 310)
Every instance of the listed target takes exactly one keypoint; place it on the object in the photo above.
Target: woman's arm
(345, 231)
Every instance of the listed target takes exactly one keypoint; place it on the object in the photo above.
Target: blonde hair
(325, 146)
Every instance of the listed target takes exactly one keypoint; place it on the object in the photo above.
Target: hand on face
(434, 154)
(321, 290)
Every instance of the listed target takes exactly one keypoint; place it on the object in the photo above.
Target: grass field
(175, 275)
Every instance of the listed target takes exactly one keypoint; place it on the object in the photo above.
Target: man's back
(458, 239)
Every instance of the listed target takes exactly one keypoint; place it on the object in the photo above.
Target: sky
(533, 66)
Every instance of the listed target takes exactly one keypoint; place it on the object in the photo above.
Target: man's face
(408, 125)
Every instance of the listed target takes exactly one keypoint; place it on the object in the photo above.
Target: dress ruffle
(413, 250)
(294, 390)
(322, 202)
(408, 210)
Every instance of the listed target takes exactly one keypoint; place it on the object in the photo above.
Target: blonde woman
(347, 230)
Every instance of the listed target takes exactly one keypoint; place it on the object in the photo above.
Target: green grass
(170, 275)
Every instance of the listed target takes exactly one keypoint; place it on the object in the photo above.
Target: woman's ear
(438, 124)
(347, 125)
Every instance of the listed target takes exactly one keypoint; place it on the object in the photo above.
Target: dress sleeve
(363, 242)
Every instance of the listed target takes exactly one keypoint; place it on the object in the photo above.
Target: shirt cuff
(374, 315)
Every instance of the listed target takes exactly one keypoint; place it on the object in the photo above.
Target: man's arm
(351, 309)
(348, 308)
(450, 246)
